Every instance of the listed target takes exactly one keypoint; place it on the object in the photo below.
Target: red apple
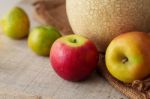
(73, 57)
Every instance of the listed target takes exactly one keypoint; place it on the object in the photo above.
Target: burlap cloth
(53, 12)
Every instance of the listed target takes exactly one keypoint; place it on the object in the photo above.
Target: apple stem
(124, 60)
(74, 41)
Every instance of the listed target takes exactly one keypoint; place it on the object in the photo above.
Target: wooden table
(22, 72)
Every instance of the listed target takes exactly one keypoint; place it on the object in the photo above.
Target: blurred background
(7, 5)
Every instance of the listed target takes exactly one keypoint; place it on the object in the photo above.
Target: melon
(102, 20)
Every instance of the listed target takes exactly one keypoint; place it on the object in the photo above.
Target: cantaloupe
(102, 20)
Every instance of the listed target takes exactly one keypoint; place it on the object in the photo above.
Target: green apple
(128, 57)
(15, 23)
(41, 39)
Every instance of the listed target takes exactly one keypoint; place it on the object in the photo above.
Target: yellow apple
(128, 57)
(15, 23)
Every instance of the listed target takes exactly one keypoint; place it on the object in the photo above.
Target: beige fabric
(13, 94)
(6, 96)
(48, 10)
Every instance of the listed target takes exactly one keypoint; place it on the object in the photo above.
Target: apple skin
(73, 57)
(41, 39)
(128, 57)
(15, 24)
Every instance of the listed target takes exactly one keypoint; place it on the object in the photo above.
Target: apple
(15, 24)
(128, 57)
(41, 39)
(73, 57)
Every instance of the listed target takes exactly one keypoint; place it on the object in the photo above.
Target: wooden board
(23, 71)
